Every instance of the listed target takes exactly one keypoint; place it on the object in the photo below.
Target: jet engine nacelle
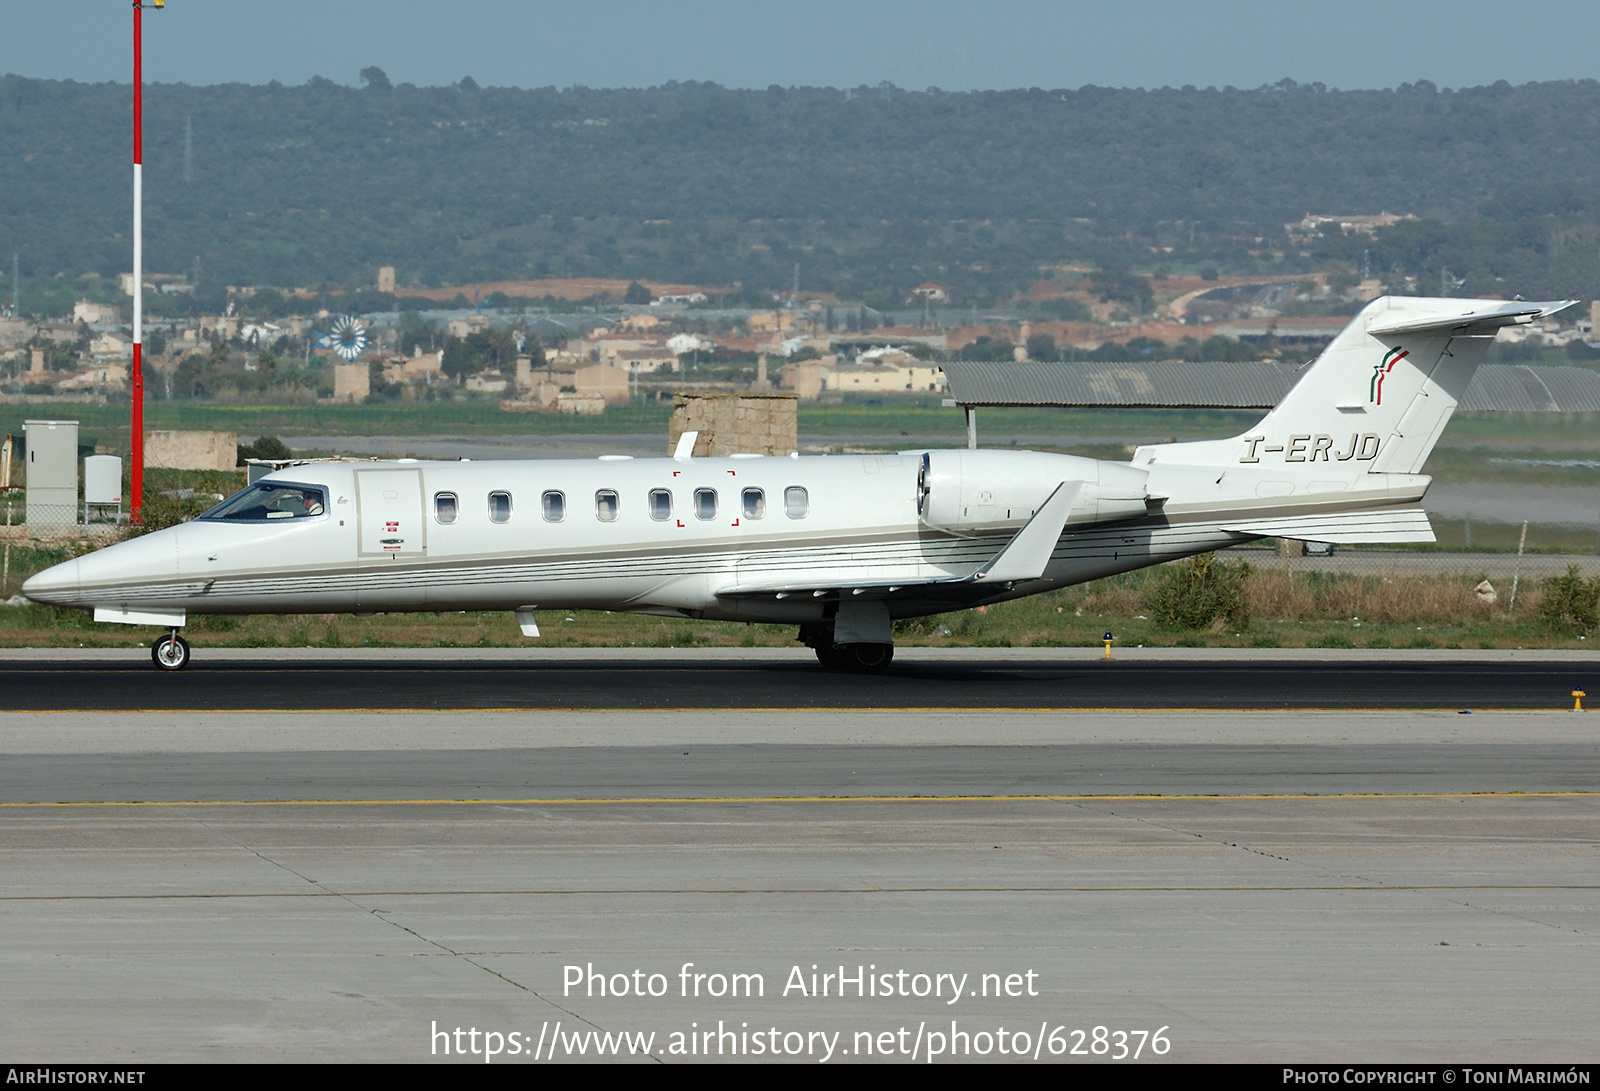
(974, 491)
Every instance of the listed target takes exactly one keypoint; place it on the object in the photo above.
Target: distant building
(582, 405)
(352, 382)
(386, 279)
(1314, 223)
(608, 381)
(885, 378)
(109, 344)
(419, 368)
(644, 361)
(806, 378)
(95, 314)
(933, 293)
(99, 377)
(490, 382)
(262, 334)
(191, 450)
(688, 342)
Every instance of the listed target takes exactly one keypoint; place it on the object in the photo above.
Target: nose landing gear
(170, 652)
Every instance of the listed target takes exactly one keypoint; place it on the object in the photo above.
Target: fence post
(1517, 574)
(5, 572)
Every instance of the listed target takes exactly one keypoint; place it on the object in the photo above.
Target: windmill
(347, 338)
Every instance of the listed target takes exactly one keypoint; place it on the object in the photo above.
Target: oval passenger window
(796, 504)
(705, 503)
(446, 507)
(755, 503)
(555, 506)
(660, 504)
(499, 507)
(605, 506)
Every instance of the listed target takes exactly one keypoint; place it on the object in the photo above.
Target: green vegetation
(1200, 592)
(267, 447)
(1571, 604)
(317, 185)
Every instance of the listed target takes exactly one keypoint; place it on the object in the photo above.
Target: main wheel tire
(170, 652)
(869, 658)
(831, 655)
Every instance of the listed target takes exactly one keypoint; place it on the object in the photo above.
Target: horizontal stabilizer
(1384, 527)
(1474, 317)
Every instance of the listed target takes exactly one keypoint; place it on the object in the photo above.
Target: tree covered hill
(868, 189)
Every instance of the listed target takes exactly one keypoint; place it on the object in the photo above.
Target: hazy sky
(912, 43)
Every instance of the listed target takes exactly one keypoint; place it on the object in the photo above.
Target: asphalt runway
(1328, 886)
(787, 771)
(782, 680)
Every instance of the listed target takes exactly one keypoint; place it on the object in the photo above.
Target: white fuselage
(383, 545)
(843, 544)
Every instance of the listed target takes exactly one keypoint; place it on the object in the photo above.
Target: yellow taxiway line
(809, 709)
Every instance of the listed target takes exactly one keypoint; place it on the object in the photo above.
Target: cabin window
(446, 507)
(705, 503)
(554, 506)
(796, 504)
(499, 507)
(605, 506)
(754, 503)
(271, 500)
(660, 504)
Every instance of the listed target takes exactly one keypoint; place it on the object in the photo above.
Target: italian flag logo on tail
(1382, 368)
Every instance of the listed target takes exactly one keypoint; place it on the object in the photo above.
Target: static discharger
(1577, 700)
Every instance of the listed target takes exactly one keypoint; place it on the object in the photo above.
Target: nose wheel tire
(170, 652)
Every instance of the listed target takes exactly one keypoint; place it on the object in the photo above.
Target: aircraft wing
(1346, 528)
(1024, 557)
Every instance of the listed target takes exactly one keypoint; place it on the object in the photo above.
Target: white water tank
(102, 480)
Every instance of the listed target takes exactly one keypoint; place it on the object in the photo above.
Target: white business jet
(840, 546)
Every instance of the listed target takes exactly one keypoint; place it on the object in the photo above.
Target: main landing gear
(170, 652)
(858, 658)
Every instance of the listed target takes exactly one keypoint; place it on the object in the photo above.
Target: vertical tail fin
(1380, 395)
(1395, 374)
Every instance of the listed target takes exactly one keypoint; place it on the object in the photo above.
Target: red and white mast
(136, 470)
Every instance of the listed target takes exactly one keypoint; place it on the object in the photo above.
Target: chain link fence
(56, 524)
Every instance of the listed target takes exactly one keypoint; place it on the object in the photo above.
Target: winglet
(1025, 556)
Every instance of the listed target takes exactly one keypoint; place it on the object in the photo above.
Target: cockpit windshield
(271, 500)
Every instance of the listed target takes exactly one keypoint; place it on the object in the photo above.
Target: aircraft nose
(57, 585)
